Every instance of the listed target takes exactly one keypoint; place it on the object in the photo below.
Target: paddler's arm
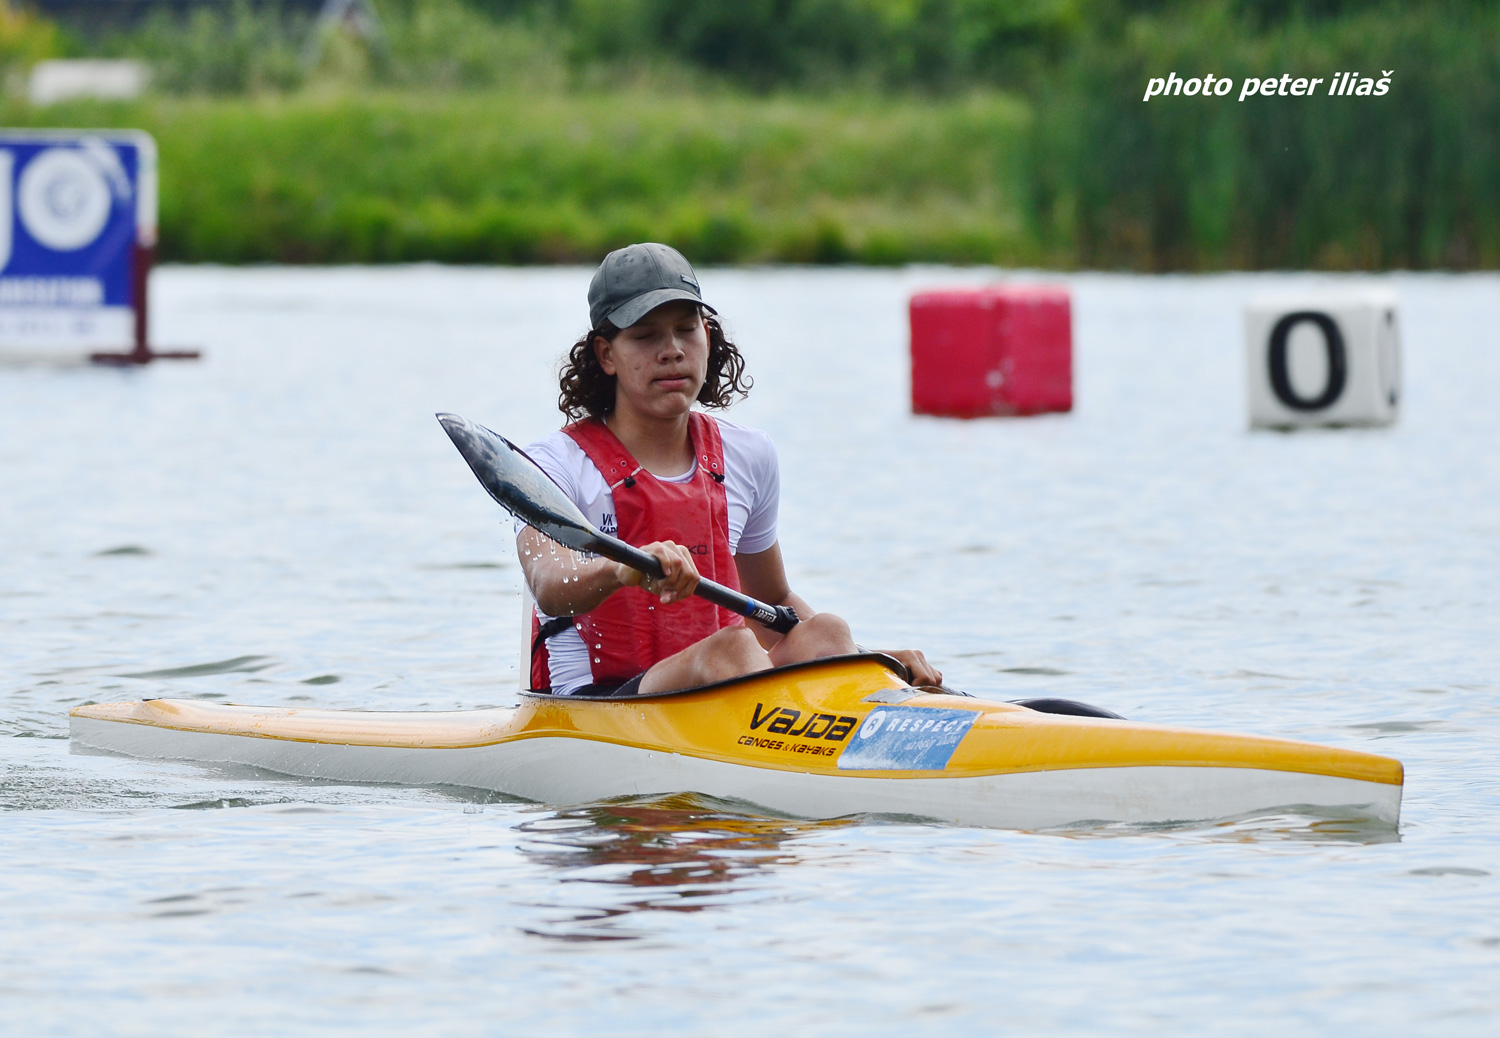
(565, 582)
(763, 576)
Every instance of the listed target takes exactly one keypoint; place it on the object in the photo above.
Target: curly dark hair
(587, 392)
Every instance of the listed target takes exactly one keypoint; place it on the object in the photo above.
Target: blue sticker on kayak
(906, 738)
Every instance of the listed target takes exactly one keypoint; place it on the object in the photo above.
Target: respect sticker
(906, 738)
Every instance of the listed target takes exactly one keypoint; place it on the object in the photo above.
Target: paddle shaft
(778, 618)
(520, 486)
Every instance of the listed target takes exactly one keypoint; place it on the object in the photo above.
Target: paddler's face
(660, 362)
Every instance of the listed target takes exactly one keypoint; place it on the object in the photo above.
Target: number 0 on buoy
(1323, 360)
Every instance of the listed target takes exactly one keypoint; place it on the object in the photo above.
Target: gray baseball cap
(633, 281)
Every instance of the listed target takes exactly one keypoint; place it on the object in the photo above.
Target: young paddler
(699, 493)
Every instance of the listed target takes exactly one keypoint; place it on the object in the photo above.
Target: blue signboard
(79, 220)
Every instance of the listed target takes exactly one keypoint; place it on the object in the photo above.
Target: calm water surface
(284, 523)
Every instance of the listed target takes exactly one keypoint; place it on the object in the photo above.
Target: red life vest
(631, 630)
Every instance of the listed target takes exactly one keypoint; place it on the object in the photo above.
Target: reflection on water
(1306, 826)
(683, 853)
(621, 858)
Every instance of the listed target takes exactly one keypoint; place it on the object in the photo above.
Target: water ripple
(1145, 552)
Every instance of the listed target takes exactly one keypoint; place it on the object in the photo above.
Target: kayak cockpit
(890, 664)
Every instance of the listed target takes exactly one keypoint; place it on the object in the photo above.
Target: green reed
(1411, 179)
(868, 131)
(511, 177)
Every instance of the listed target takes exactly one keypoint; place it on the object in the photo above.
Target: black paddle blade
(521, 488)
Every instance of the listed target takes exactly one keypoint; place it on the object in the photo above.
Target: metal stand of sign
(143, 353)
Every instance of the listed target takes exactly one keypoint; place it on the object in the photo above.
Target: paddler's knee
(832, 633)
(822, 634)
(727, 654)
(723, 655)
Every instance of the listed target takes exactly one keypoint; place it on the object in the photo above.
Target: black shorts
(611, 689)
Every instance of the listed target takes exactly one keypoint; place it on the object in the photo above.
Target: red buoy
(998, 350)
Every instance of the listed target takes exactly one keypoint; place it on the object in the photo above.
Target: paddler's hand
(679, 577)
(922, 672)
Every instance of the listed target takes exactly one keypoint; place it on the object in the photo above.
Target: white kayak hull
(527, 752)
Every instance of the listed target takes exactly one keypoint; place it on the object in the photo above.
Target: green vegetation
(1411, 179)
(521, 178)
(874, 131)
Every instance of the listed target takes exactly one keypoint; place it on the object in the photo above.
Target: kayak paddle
(526, 492)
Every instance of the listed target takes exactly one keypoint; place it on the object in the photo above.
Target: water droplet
(598, 660)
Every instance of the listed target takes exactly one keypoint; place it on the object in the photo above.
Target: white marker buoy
(1323, 359)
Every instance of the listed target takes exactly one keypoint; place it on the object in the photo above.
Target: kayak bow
(820, 739)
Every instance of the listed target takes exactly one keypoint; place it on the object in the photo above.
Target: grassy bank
(516, 178)
(872, 131)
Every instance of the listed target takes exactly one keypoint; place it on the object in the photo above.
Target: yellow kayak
(819, 740)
